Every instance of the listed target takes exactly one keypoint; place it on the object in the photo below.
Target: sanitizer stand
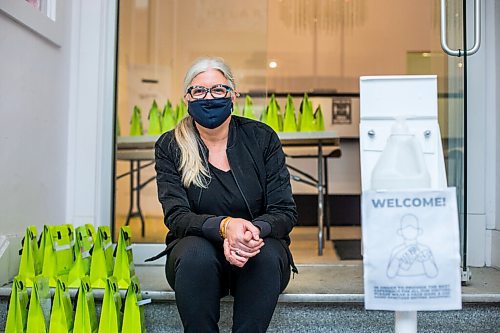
(414, 99)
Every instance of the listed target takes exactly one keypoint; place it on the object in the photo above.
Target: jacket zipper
(238, 185)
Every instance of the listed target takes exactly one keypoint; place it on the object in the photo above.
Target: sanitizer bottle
(401, 164)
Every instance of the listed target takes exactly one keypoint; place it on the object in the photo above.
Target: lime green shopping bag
(29, 257)
(289, 123)
(82, 253)
(306, 118)
(133, 315)
(248, 108)
(61, 318)
(85, 314)
(57, 246)
(236, 109)
(272, 117)
(39, 307)
(167, 118)
(102, 258)
(319, 120)
(124, 268)
(17, 314)
(180, 111)
(154, 118)
(136, 122)
(111, 315)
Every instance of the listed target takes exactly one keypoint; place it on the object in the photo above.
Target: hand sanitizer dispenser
(401, 164)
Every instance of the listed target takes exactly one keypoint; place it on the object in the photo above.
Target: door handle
(477, 31)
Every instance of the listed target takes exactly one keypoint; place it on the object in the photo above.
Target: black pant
(200, 275)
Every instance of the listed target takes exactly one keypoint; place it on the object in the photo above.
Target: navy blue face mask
(210, 113)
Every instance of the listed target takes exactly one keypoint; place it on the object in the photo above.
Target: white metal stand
(406, 321)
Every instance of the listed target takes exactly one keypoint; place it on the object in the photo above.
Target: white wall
(34, 115)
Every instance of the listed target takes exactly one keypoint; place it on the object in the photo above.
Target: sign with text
(411, 250)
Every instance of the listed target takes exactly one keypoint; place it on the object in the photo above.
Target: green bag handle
(124, 263)
(61, 318)
(40, 306)
(102, 258)
(85, 314)
(111, 315)
(154, 118)
(17, 314)
(133, 315)
(28, 264)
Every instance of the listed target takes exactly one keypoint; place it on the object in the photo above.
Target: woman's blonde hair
(194, 165)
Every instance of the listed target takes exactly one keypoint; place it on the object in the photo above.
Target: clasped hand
(242, 241)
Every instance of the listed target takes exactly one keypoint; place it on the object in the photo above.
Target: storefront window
(274, 47)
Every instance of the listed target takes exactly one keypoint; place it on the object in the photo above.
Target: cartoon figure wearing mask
(411, 258)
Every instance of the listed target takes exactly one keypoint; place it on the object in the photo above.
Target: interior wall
(33, 140)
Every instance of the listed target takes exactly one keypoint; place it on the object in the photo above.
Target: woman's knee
(190, 256)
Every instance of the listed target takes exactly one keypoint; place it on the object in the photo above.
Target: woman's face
(209, 79)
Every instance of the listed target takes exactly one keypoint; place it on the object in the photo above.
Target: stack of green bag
(165, 120)
(159, 122)
(67, 258)
(307, 121)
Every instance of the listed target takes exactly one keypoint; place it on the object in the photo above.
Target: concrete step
(329, 317)
(324, 299)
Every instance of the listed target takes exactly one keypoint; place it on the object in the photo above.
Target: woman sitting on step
(227, 202)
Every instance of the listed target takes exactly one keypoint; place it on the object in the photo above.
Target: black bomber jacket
(257, 162)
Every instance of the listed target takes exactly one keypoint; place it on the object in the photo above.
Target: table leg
(327, 199)
(320, 200)
(138, 199)
(131, 202)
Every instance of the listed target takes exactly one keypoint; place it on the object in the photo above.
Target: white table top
(330, 138)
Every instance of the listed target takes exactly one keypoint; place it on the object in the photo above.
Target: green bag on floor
(57, 246)
(167, 118)
(29, 257)
(111, 315)
(136, 122)
(290, 123)
(154, 118)
(61, 318)
(39, 308)
(17, 314)
(319, 120)
(133, 315)
(85, 314)
(102, 258)
(124, 268)
(82, 254)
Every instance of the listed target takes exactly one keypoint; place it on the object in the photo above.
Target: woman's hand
(243, 239)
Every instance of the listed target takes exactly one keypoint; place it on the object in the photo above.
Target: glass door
(282, 47)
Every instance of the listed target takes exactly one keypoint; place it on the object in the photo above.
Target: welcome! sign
(411, 250)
